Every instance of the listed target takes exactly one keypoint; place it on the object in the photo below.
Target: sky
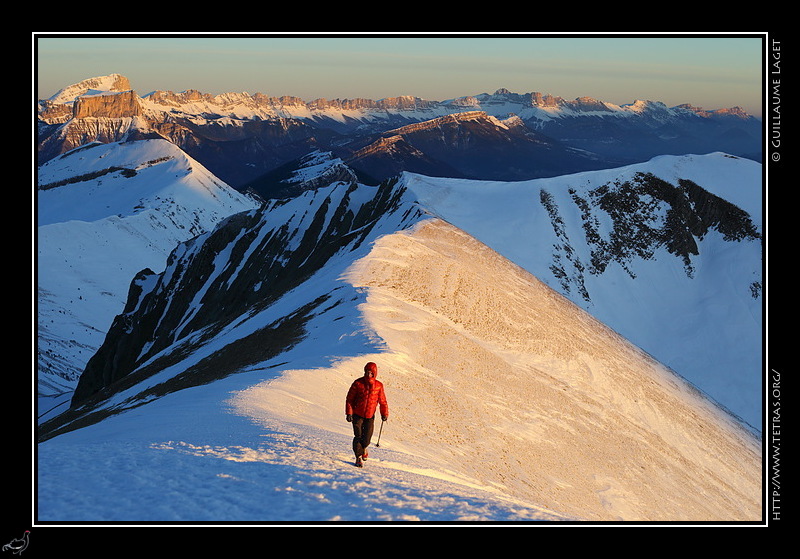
(711, 71)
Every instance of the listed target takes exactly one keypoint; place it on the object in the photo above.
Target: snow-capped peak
(104, 213)
(91, 86)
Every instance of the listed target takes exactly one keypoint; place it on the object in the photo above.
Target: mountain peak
(101, 84)
(735, 111)
(641, 105)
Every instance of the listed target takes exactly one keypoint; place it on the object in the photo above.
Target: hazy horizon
(707, 71)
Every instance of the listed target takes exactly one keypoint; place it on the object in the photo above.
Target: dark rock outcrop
(192, 299)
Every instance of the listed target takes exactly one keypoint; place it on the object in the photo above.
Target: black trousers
(362, 433)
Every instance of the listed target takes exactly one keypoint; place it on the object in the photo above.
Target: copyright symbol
(776, 156)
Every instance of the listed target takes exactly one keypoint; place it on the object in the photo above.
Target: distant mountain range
(246, 139)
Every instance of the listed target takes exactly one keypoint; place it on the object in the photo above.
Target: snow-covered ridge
(91, 86)
(542, 413)
(698, 310)
(105, 212)
(550, 227)
(123, 179)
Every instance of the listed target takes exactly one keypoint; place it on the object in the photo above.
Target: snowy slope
(104, 213)
(706, 325)
(507, 403)
(494, 416)
(90, 86)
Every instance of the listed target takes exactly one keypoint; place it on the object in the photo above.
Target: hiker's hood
(370, 370)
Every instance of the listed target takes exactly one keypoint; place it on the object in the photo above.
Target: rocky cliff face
(51, 113)
(541, 100)
(95, 97)
(113, 105)
(643, 214)
(107, 117)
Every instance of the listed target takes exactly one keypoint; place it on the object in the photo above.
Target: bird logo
(18, 545)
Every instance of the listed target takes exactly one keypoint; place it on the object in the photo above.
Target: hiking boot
(359, 463)
(364, 456)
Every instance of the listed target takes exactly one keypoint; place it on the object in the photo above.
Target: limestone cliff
(109, 105)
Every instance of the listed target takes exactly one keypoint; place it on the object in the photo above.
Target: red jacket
(364, 396)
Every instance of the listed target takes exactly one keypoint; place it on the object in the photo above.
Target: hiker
(365, 395)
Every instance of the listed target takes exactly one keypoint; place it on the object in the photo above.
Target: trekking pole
(379, 434)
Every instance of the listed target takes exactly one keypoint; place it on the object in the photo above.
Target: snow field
(536, 400)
